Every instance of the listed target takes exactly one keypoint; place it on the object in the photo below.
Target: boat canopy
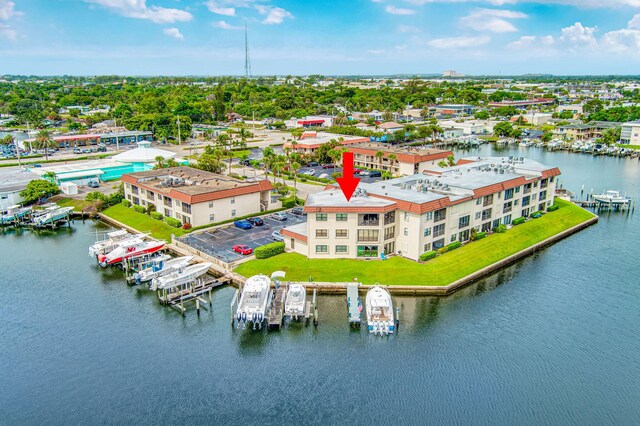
(118, 233)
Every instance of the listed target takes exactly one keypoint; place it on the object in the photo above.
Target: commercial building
(12, 182)
(630, 133)
(198, 197)
(70, 141)
(422, 212)
(523, 104)
(310, 141)
(396, 160)
(454, 109)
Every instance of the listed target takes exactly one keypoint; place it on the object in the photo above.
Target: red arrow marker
(347, 182)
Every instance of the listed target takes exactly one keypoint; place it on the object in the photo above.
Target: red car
(242, 249)
(328, 166)
(357, 171)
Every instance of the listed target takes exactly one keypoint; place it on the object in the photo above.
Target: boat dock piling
(199, 291)
(311, 308)
(354, 304)
(234, 306)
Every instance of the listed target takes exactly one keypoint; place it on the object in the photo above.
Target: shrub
(96, 196)
(173, 222)
(553, 208)
(150, 208)
(518, 221)
(288, 203)
(428, 255)
(454, 245)
(126, 203)
(115, 198)
(442, 250)
(187, 226)
(138, 208)
(235, 176)
(269, 250)
(480, 235)
(304, 179)
(500, 229)
(156, 215)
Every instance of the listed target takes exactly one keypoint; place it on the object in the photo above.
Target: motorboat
(525, 143)
(180, 276)
(13, 213)
(51, 215)
(128, 249)
(110, 242)
(254, 301)
(160, 267)
(295, 301)
(379, 311)
(612, 198)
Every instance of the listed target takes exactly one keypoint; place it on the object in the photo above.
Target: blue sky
(188, 37)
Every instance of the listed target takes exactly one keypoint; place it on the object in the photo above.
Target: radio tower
(247, 62)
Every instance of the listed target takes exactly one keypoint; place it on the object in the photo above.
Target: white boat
(295, 300)
(51, 215)
(128, 249)
(13, 213)
(611, 197)
(180, 276)
(110, 243)
(525, 143)
(254, 300)
(160, 267)
(379, 311)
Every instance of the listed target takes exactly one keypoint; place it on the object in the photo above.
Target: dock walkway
(353, 303)
(277, 308)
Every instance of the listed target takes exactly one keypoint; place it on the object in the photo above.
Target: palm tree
(243, 159)
(295, 166)
(392, 159)
(380, 156)
(294, 145)
(7, 140)
(50, 176)
(267, 158)
(159, 162)
(44, 141)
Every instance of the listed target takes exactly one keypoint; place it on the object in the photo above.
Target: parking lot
(219, 242)
(319, 171)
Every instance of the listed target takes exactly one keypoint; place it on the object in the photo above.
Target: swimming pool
(114, 172)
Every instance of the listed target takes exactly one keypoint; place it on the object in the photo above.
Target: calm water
(551, 340)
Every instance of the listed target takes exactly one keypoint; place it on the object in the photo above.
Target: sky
(337, 37)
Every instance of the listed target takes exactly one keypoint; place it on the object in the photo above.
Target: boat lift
(354, 304)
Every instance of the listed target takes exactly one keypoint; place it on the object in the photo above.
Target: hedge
(428, 255)
(500, 229)
(518, 221)
(269, 250)
(126, 203)
(480, 235)
(156, 215)
(454, 245)
(553, 208)
(173, 222)
(139, 209)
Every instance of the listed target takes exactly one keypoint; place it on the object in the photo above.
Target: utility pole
(179, 138)
(15, 142)
(115, 127)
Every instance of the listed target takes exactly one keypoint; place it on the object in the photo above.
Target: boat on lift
(130, 248)
(380, 311)
(113, 239)
(254, 301)
(295, 301)
(612, 198)
(160, 267)
(51, 215)
(180, 276)
(13, 214)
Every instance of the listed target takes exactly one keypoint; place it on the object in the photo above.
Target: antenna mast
(247, 62)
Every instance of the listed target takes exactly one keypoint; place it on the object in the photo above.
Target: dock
(276, 311)
(354, 304)
(198, 292)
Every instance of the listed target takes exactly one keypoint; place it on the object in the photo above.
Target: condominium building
(415, 214)
(396, 160)
(311, 140)
(198, 197)
(591, 130)
(630, 133)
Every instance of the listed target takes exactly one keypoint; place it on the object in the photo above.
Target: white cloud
(226, 26)
(7, 32)
(7, 10)
(458, 42)
(634, 23)
(220, 9)
(407, 29)
(275, 15)
(138, 9)
(532, 42)
(399, 10)
(577, 35)
(173, 32)
(493, 20)
(621, 41)
(577, 3)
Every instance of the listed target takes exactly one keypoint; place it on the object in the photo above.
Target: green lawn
(142, 222)
(77, 205)
(635, 147)
(440, 271)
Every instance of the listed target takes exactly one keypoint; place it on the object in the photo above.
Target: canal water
(551, 340)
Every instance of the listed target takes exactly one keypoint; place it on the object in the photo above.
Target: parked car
(77, 151)
(93, 184)
(242, 249)
(310, 172)
(324, 176)
(102, 149)
(364, 173)
(276, 236)
(246, 162)
(243, 224)
(328, 166)
(375, 173)
(256, 221)
(357, 171)
(313, 164)
(279, 216)
(298, 211)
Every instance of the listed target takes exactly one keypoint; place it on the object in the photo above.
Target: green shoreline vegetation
(441, 271)
(142, 222)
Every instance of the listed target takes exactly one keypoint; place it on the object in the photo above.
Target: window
(438, 231)
(342, 233)
(167, 201)
(134, 190)
(507, 207)
(177, 203)
(389, 217)
(406, 216)
(542, 196)
(486, 227)
(167, 212)
(368, 219)
(478, 201)
(389, 232)
(210, 204)
(486, 214)
(517, 189)
(427, 232)
(186, 208)
(212, 218)
(463, 222)
(487, 201)
(150, 195)
(427, 247)
(463, 236)
(544, 183)
(233, 213)
(390, 247)
(507, 219)
(322, 233)
(233, 200)
(321, 217)
(525, 212)
(341, 249)
(438, 244)
(367, 251)
(428, 216)
(406, 232)
(478, 215)
(439, 215)
(366, 235)
(323, 248)
(496, 223)
(508, 194)
(453, 237)
(535, 184)
(136, 200)
(341, 217)
(526, 200)
(515, 202)
(527, 189)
